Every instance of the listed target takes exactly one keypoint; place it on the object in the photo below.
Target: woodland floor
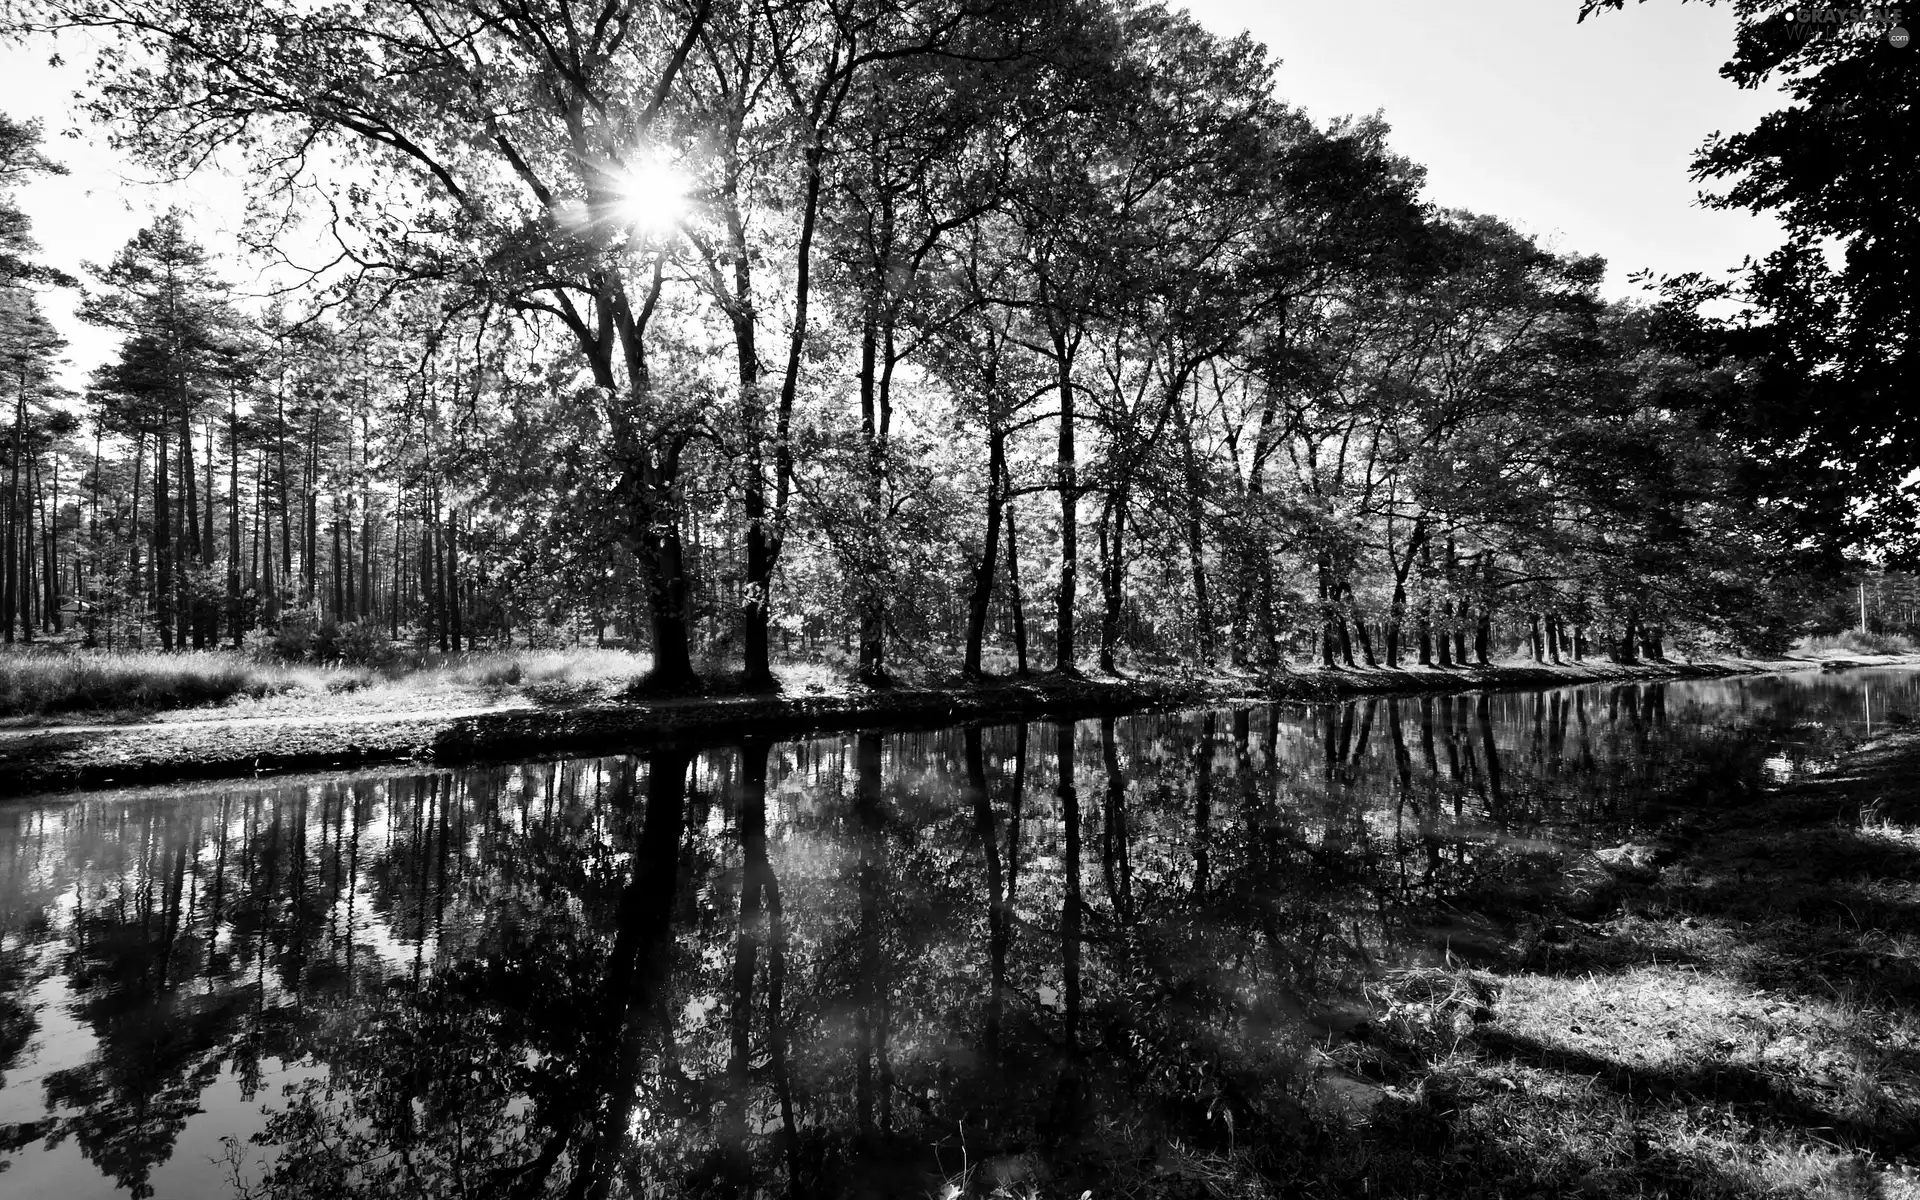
(447, 724)
(1729, 1008)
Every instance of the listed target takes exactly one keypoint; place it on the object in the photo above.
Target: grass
(53, 681)
(1740, 1019)
(42, 682)
(1742, 1022)
(1855, 641)
(48, 682)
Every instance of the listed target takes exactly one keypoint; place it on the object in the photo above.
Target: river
(857, 964)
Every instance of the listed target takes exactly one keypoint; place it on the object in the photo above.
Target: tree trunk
(655, 543)
(451, 576)
(1015, 599)
(1329, 611)
(162, 541)
(1396, 617)
(286, 508)
(50, 549)
(1195, 498)
(981, 598)
(27, 573)
(1629, 637)
(1360, 629)
(233, 521)
(367, 605)
(1069, 514)
(1113, 574)
(336, 592)
(756, 592)
(9, 583)
(310, 548)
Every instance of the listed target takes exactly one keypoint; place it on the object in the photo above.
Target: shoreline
(74, 756)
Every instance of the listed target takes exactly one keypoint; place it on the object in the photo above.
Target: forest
(941, 598)
(906, 336)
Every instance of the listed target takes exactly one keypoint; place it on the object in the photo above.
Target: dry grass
(577, 667)
(51, 682)
(47, 682)
(1854, 641)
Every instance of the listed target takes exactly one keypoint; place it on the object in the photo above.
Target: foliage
(1824, 333)
(914, 338)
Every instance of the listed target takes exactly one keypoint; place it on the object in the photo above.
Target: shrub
(296, 636)
(365, 644)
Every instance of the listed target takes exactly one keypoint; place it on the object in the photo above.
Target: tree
(31, 347)
(496, 148)
(1830, 339)
(160, 292)
(21, 161)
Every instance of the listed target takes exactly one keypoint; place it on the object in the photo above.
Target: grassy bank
(57, 684)
(442, 718)
(1729, 1008)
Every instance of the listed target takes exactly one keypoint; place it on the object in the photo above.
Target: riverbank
(345, 730)
(1727, 1007)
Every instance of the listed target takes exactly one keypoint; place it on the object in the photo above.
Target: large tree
(499, 147)
(1830, 336)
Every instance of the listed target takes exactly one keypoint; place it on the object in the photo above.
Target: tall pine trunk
(9, 581)
(234, 630)
(162, 541)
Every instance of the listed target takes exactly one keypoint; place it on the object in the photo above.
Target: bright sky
(1580, 134)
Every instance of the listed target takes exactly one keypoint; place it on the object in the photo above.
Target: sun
(652, 196)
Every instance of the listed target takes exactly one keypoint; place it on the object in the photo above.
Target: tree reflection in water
(835, 967)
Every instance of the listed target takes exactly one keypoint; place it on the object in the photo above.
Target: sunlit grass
(36, 682)
(50, 681)
(1854, 641)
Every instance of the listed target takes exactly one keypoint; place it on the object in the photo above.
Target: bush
(296, 637)
(365, 644)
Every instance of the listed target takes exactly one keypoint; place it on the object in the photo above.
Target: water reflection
(839, 966)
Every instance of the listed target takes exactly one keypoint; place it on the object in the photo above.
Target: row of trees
(30, 347)
(741, 322)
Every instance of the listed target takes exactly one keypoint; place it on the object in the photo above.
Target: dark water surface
(858, 963)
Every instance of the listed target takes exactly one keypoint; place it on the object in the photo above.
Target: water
(860, 963)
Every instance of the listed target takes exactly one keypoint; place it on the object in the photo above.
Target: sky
(1578, 133)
